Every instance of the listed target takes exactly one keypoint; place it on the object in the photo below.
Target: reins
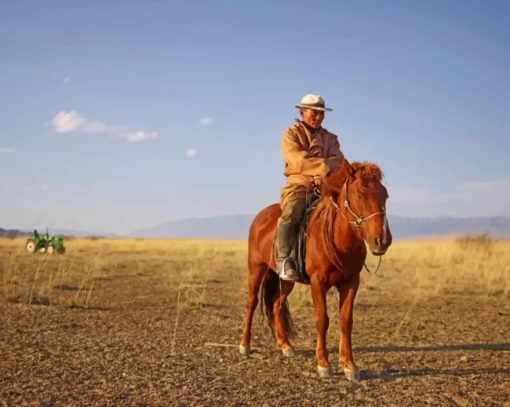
(377, 268)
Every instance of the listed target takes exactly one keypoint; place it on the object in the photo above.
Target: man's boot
(286, 266)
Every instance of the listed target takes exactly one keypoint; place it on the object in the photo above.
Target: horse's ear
(356, 166)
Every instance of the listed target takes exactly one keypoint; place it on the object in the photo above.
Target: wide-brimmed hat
(315, 102)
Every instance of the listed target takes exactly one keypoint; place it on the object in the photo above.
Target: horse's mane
(367, 171)
(324, 216)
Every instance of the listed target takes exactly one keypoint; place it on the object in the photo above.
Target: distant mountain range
(11, 233)
(237, 226)
(53, 232)
(218, 227)
(407, 228)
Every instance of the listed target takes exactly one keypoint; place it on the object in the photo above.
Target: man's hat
(315, 102)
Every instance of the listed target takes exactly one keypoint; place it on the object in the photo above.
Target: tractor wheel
(62, 250)
(42, 249)
(30, 246)
(50, 250)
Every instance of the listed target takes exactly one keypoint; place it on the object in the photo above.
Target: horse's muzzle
(378, 246)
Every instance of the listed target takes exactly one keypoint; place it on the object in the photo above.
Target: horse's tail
(269, 292)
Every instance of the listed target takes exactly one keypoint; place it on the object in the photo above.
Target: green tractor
(45, 243)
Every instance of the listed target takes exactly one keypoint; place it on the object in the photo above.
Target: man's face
(312, 117)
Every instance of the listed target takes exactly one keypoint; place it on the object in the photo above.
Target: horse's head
(357, 192)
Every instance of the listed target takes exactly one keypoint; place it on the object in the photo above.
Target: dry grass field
(155, 322)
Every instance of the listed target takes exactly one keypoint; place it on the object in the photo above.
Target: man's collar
(313, 132)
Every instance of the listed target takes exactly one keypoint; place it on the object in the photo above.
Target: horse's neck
(345, 237)
(334, 230)
(336, 240)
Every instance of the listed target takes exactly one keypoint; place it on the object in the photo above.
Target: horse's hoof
(244, 350)
(289, 352)
(324, 371)
(351, 374)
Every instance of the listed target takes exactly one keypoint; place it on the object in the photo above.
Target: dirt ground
(154, 335)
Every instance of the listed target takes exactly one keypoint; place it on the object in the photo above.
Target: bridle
(359, 219)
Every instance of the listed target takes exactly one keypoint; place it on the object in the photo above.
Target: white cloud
(191, 152)
(206, 121)
(492, 188)
(137, 136)
(7, 150)
(66, 122)
(95, 127)
(69, 122)
(489, 198)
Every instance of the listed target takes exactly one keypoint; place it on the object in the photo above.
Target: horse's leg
(347, 295)
(322, 324)
(256, 272)
(282, 315)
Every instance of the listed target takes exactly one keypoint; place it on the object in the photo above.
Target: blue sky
(119, 115)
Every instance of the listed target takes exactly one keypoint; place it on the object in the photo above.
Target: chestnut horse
(350, 213)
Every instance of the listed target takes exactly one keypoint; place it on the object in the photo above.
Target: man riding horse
(310, 153)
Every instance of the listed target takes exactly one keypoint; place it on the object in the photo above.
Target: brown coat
(306, 158)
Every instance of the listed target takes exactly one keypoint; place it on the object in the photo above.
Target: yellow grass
(69, 279)
(442, 266)
(189, 266)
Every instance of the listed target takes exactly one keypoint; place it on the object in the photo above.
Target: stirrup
(289, 275)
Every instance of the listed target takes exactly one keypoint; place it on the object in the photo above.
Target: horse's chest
(351, 266)
(338, 277)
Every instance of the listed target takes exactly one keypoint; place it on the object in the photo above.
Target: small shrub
(482, 242)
